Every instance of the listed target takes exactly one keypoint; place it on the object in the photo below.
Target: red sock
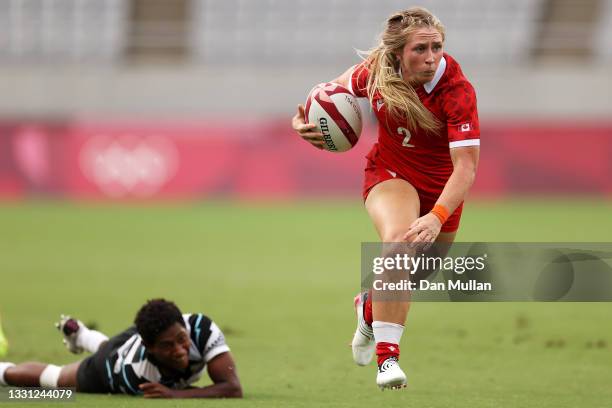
(386, 350)
(367, 310)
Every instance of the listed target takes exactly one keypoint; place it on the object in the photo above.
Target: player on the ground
(421, 169)
(159, 357)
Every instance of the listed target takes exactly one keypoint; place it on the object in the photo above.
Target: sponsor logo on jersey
(465, 127)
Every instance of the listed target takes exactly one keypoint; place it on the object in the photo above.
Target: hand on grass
(156, 390)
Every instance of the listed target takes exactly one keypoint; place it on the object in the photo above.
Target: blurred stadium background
(146, 150)
(192, 99)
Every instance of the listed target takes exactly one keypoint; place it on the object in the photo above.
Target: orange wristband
(441, 212)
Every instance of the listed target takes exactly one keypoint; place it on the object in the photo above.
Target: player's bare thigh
(393, 205)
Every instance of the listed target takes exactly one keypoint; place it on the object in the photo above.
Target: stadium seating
(262, 32)
(603, 37)
(62, 30)
(316, 32)
(276, 32)
(237, 50)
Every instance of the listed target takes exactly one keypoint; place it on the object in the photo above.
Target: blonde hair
(400, 97)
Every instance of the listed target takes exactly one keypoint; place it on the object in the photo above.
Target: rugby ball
(337, 115)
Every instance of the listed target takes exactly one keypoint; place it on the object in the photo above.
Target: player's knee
(394, 249)
(394, 236)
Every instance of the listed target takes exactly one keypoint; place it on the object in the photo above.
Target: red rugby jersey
(424, 159)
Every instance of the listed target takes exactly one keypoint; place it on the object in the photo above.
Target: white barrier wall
(516, 91)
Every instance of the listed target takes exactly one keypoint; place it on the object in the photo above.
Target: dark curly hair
(156, 316)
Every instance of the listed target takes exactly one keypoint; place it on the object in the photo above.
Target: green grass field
(280, 278)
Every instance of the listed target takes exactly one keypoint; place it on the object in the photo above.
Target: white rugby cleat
(363, 341)
(70, 329)
(390, 375)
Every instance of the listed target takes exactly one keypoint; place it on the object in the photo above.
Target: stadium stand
(152, 57)
(127, 98)
(316, 32)
(603, 37)
(62, 30)
(567, 29)
(264, 32)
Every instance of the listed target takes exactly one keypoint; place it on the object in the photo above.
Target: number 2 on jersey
(406, 133)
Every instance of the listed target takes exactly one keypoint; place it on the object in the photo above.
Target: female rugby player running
(421, 169)
(159, 357)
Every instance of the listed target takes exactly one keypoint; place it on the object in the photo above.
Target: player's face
(171, 347)
(421, 56)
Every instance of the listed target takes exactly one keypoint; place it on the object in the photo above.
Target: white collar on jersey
(429, 86)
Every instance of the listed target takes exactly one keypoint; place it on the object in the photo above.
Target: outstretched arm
(222, 371)
(463, 131)
(465, 162)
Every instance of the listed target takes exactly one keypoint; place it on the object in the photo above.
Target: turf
(279, 279)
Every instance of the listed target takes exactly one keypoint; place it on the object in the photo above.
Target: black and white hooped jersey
(127, 364)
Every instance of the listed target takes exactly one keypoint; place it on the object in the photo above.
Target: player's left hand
(156, 390)
(425, 230)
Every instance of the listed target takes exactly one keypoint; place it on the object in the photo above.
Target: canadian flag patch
(465, 127)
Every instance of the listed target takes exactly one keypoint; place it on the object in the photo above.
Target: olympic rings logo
(127, 165)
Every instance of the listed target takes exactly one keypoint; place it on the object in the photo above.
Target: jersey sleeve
(130, 368)
(207, 336)
(134, 373)
(216, 344)
(358, 82)
(460, 108)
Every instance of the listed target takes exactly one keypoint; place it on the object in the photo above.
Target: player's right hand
(307, 131)
(156, 390)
